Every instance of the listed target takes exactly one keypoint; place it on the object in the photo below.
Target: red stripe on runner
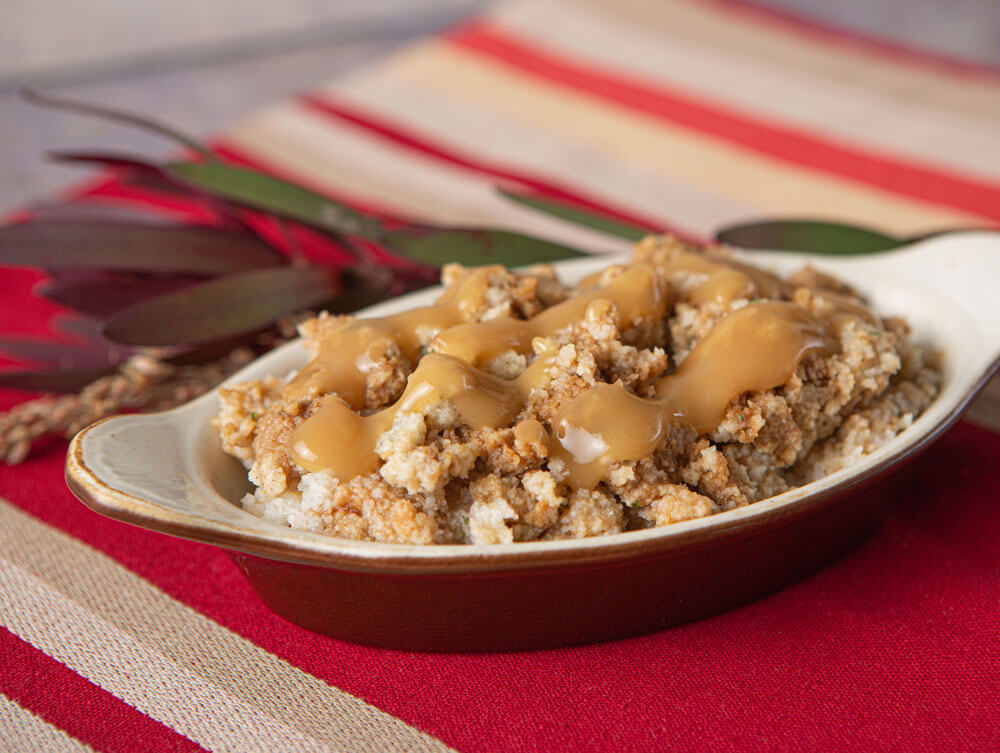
(407, 138)
(867, 42)
(932, 185)
(73, 703)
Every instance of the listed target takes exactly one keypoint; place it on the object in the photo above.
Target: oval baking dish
(167, 472)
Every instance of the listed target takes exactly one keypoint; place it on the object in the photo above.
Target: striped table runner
(681, 116)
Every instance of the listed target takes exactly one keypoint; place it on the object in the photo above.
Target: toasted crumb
(441, 477)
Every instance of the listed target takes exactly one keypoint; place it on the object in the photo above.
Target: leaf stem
(119, 116)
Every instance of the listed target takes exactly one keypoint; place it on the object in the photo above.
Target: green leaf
(225, 307)
(50, 381)
(583, 217)
(118, 116)
(474, 247)
(266, 193)
(137, 247)
(807, 235)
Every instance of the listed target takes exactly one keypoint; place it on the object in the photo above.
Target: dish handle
(960, 268)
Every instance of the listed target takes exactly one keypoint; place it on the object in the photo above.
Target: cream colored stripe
(712, 165)
(512, 145)
(700, 23)
(911, 130)
(170, 662)
(21, 730)
(122, 664)
(345, 159)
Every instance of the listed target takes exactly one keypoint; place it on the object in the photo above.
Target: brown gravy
(757, 347)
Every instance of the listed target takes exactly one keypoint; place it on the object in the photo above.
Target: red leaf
(102, 293)
(224, 307)
(136, 247)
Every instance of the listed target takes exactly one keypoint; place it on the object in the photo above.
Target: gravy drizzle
(348, 352)
(636, 291)
(757, 347)
(725, 279)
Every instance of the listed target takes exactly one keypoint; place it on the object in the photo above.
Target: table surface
(905, 624)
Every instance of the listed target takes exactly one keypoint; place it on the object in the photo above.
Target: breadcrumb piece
(590, 512)
(440, 480)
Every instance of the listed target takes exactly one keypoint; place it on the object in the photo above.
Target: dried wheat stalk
(143, 382)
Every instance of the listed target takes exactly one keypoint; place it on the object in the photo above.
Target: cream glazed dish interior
(169, 471)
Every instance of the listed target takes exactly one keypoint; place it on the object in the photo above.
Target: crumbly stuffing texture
(439, 481)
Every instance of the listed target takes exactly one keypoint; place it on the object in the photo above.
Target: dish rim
(267, 539)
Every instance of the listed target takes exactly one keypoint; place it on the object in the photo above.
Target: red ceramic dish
(167, 472)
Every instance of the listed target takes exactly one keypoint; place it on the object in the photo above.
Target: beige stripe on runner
(735, 31)
(22, 730)
(714, 165)
(918, 131)
(494, 138)
(343, 158)
(173, 664)
(284, 138)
